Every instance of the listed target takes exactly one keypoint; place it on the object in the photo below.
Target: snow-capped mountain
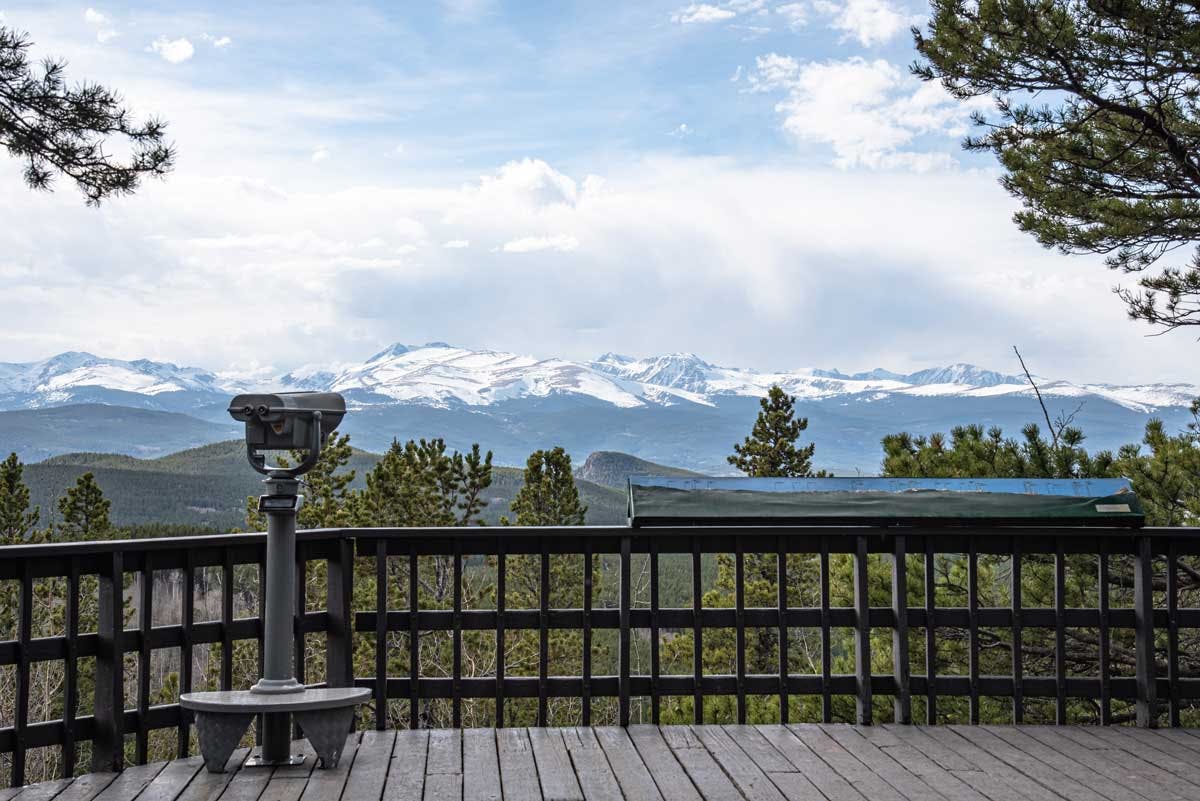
(56, 380)
(676, 409)
(442, 375)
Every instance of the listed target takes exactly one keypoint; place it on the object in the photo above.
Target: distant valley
(207, 486)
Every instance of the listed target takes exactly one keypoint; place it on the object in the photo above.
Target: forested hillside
(208, 486)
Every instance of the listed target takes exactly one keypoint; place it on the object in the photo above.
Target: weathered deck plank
(669, 775)
(406, 773)
(481, 766)
(518, 771)
(799, 762)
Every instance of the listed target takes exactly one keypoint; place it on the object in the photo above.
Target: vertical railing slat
(339, 636)
(1143, 613)
(227, 620)
(973, 630)
(930, 632)
(71, 679)
(739, 593)
(543, 633)
(624, 640)
(697, 636)
(1060, 633)
(24, 665)
(145, 623)
(1018, 640)
(655, 665)
(188, 614)
(381, 634)
(1175, 704)
(862, 633)
(108, 745)
(826, 645)
(587, 633)
(414, 640)
(1102, 602)
(781, 603)
(501, 583)
(456, 634)
(902, 703)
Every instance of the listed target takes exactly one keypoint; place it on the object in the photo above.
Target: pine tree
(548, 496)
(84, 511)
(17, 522)
(55, 128)
(1096, 127)
(770, 450)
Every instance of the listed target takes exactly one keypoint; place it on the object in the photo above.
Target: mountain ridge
(442, 375)
(678, 408)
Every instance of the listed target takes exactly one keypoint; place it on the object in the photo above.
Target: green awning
(663, 501)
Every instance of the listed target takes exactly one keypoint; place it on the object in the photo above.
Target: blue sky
(758, 181)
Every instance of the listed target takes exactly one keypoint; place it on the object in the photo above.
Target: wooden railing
(1143, 565)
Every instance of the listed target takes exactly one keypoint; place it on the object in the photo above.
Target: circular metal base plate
(256, 761)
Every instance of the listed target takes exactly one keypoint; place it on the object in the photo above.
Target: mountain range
(675, 409)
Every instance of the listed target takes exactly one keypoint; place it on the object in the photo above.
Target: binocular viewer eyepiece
(287, 421)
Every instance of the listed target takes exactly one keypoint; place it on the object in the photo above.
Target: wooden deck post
(902, 704)
(108, 752)
(862, 633)
(1143, 611)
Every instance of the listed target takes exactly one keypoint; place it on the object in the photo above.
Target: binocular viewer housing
(287, 421)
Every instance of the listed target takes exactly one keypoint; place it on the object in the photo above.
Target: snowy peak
(965, 374)
(441, 375)
(72, 370)
(685, 371)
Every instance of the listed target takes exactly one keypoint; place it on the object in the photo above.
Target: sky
(760, 182)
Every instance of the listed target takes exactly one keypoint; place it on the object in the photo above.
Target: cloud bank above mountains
(515, 184)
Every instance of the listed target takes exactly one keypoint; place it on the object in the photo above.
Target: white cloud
(871, 22)
(794, 14)
(809, 253)
(737, 74)
(217, 41)
(680, 131)
(702, 12)
(869, 112)
(105, 32)
(319, 154)
(176, 51)
(533, 244)
(398, 150)
(457, 244)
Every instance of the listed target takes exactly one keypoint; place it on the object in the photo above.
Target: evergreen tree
(548, 496)
(1104, 155)
(1167, 478)
(58, 129)
(771, 450)
(972, 453)
(419, 484)
(84, 511)
(17, 522)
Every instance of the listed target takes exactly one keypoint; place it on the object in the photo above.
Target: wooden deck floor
(680, 763)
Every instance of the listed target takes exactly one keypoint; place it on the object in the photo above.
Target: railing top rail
(209, 541)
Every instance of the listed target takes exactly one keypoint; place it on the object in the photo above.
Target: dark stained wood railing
(1155, 619)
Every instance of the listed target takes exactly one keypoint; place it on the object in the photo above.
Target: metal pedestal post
(281, 503)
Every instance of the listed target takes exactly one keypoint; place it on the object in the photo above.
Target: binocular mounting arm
(259, 461)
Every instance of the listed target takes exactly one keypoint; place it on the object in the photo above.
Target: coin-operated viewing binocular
(287, 421)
